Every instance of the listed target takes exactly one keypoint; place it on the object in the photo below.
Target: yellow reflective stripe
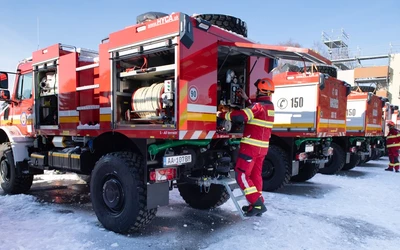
(271, 113)
(254, 142)
(261, 123)
(392, 136)
(228, 116)
(249, 113)
(393, 145)
(250, 190)
(394, 164)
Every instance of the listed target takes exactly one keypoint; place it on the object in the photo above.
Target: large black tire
(354, 160)
(374, 154)
(230, 23)
(118, 192)
(199, 199)
(275, 170)
(336, 162)
(306, 172)
(11, 182)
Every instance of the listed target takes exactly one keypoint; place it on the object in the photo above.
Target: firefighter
(393, 146)
(258, 118)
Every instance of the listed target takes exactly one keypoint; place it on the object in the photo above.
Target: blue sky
(371, 25)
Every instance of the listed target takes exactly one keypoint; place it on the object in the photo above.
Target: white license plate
(309, 148)
(177, 160)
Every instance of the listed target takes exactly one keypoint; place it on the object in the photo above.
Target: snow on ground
(358, 209)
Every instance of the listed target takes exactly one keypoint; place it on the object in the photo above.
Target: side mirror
(4, 95)
(3, 80)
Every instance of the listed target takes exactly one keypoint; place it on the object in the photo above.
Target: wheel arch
(18, 142)
(114, 141)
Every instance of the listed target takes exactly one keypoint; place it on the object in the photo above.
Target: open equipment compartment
(232, 76)
(144, 84)
(46, 95)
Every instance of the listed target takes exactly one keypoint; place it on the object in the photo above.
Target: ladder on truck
(90, 56)
(230, 185)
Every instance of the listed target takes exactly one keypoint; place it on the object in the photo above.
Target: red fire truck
(310, 110)
(139, 115)
(364, 136)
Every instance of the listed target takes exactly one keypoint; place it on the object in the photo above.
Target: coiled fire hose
(148, 99)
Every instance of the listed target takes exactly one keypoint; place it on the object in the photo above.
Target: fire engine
(310, 105)
(139, 114)
(364, 136)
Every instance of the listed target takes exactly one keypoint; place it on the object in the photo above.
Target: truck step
(230, 185)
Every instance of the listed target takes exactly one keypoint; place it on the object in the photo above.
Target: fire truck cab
(138, 115)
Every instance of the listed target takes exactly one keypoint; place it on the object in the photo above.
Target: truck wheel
(199, 199)
(230, 23)
(118, 192)
(12, 183)
(336, 162)
(306, 172)
(275, 170)
(374, 154)
(354, 160)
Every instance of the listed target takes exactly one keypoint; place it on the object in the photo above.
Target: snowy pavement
(358, 209)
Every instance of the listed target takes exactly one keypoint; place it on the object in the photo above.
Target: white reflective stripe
(210, 134)
(66, 113)
(41, 64)
(245, 183)
(337, 121)
(198, 108)
(332, 121)
(196, 134)
(105, 110)
(374, 126)
(182, 134)
(149, 41)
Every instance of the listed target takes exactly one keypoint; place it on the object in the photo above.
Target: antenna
(38, 35)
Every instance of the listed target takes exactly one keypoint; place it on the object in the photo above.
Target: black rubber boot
(256, 209)
(388, 169)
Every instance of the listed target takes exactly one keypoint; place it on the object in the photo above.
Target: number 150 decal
(297, 102)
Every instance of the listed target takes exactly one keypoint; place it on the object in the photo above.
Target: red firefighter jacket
(259, 119)
(393, 139)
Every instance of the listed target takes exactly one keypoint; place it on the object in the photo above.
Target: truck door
(22, 113)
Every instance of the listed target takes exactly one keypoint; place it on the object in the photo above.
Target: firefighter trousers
(394, 159)
(248, 171)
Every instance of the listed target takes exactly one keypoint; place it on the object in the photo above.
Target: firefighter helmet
(390, 124)
(265, 85)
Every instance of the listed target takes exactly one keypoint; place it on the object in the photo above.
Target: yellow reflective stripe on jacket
(254, 142)
(250, 190)
(249, 113)
(392, 136)
(228, 116)
(271, 113)
(261, 123)
(393, 145)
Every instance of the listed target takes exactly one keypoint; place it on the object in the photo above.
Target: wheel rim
(113, 194)
(268, 169)
(5, 171)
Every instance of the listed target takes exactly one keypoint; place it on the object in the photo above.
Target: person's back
(258, 118)
(257, 131)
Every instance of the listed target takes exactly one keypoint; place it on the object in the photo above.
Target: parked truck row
(138, 115)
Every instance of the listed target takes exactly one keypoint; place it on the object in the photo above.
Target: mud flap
(157, 195)
(295, 168)
(348, 157)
